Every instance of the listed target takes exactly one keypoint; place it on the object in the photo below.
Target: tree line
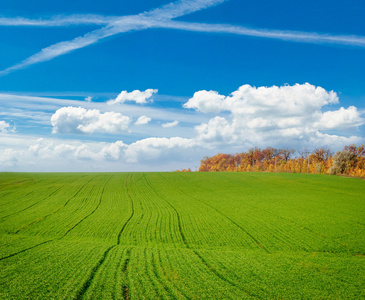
(349, 161)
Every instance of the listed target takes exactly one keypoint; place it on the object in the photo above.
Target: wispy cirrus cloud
(158, 18)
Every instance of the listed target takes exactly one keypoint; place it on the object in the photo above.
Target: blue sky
(157, 85)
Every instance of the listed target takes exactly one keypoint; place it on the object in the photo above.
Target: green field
(181, 235)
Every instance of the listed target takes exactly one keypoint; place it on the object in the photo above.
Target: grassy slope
(181, 235)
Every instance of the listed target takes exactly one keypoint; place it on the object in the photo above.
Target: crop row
(181, 236)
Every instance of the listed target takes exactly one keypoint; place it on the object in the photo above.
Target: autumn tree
(349, 161)
(342, 160)
(321, 154)
(286, 154)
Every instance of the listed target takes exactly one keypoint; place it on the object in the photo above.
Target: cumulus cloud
(284, 100)
(217, 131)
(47, 149)
(335, 141)
(155, 148)
(170, 124)
(207, 102)
(295, 116)
(261, 116)
(142, 151)
(80, 120)
(341, 119)
(142, 120)
(137, 96)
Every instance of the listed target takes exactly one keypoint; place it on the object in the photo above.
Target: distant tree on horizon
(349, 161)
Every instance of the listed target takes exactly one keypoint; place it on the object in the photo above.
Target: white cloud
(142, 120)
(113, 151)
(77, 150)
(145, 151)
(170, 124)
(275, 116)
(335, 142)
(137, 96)
(6, 127)
(80, 120)
(288, 116)
(8, 157)
(28, 111)
(247, 100)
(157, 148)
(88, 99)
(217, 131)
(207, 102)
(341, 119)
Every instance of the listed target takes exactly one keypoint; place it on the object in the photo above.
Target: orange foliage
(357, 166)
(281, 160)
(184, 170)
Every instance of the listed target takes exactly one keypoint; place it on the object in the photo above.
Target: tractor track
(205, 263)
(125, 289)
(225, 216)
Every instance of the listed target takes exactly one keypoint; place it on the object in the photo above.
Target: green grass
(181, 236)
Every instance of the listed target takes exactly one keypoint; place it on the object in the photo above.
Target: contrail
(181, 8)
(68, 46)
(297, 36)
(58, 21)
(116, 25)
(158, 18)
